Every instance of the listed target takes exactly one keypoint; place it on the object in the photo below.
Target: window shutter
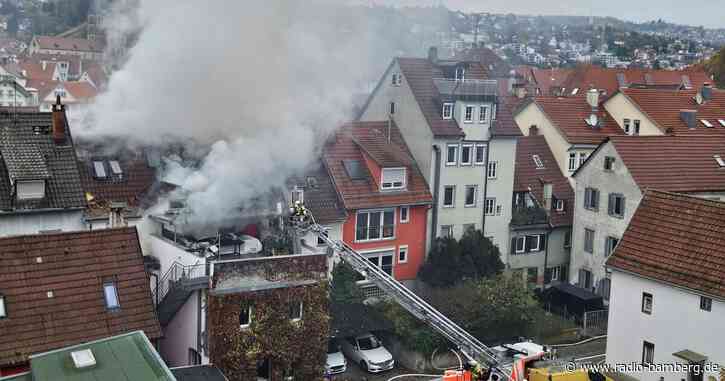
(542, 241)
(587, 196)
(595, 196)
(513, 245)
(610, 207)
(623, 204)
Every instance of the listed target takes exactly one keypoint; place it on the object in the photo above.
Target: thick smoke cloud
(256, 86)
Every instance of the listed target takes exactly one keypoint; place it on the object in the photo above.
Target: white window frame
(494, 112)
(407, 214)
(481, 147)
(706, 123)
(720, 160)
(627, 126)
(110, 295)
(636, 124)
(397, 79)
(298, 194)
(115, 167)
(521, 239)
(453, 196)
(379, 254)
(582, 158)
(250, 314)
(607, 243)
(382, 224)
(447, 110)
(538, 162)
(470, 154)
(3, 310)
(462, 75)
(403, 249)
(492, 169)
(475, 196)
(483, 114)
(466, 118)
(538, 242)
(455, 159)
(490, 202)
(722, 122)
(648, 300)
(301, 314)
(555, 273)
(392, 184)
(99, 170)
(593, 235)
(572, 161)
(559, 205)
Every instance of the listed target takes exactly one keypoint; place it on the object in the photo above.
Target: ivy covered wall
(299, 346)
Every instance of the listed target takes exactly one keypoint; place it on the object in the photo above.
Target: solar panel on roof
(354, 169)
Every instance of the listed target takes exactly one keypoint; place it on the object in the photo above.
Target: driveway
(354, 373)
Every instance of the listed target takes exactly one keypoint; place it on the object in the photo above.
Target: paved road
(354, 373)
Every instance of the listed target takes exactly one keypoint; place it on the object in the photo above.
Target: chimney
(59, 121)
(706, 91)
(533, 130)
(689, 117)
(433, 54)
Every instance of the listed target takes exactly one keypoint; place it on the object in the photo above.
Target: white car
(367, 351)
(336, 362)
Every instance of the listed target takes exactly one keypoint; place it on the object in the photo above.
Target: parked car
(336, 362)
(367, 351)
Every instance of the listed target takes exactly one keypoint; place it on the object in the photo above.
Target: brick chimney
(59, 122)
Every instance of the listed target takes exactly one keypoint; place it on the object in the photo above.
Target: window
(616, 205)
(648, 353)
(393, 178)
(706, 123)
(392, 108)
(480, 154)
(115, 168)
(572, 161)
(721, 121)
(447, 231)
(636, 127)
(521, 244)
(447, 110)
(99, 169)
(705, 303)
(720, 161)
(298, 194)
(383, 259)
(559, 205)
(375, 225)
(460, 74)
(30, 190)
(397, 79)
(452, 155)
(582, 158)
(533, 243)
(575, 91)
(591, 199)
(471, 195)
(491, 172)
(627, 126)
(610, 244)
(111, 295)
(585, 278)
(567, 239)
(245, 315)
(466, 157)
(490, 206)
(403, 254)
(493, 112)
(608, 163)
(468, 114)
(605, 286)
(538, 162)
(589, 240)
(449, 196)
(647, 303)
(295, 311)
(404, 214)
(483, 114)
(3, 311)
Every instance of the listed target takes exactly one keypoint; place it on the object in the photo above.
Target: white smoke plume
(254, 85)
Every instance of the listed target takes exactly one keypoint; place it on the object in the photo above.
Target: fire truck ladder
(472, 348)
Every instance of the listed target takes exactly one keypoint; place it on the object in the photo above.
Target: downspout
(436, 194)
(485, 186)
(198, 328)
(546, 254)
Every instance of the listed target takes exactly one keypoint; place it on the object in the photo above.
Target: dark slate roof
(494, 66)
(527, 177)
(74, 267)
(675, 239)
(28, 151)
(198, 373)
(320, 195)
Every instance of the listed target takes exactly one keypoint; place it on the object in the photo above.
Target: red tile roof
(74, 267)
(676, 239)
(569, 114)
(673, 163)
(493, 65)
(546, 79)
(67, 43)
(527, 177)
(349, 144)
(589, 76)
(663, 108)
(137, 179)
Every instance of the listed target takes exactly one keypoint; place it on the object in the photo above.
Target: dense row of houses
(606, 189)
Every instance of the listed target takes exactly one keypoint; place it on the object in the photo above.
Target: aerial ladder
(483, 363)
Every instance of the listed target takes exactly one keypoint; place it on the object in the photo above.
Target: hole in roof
(354, 169)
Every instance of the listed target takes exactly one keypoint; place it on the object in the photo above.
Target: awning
(690, 356)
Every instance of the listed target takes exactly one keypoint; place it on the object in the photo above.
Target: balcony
(525, 216)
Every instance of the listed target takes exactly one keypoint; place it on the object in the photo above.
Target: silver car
(367, 351)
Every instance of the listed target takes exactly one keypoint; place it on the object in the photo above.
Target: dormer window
(460, 73)
(393, 178)
(447, 110)
(30, 189)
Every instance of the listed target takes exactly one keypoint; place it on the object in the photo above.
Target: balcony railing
(373, 232)
(522, 216)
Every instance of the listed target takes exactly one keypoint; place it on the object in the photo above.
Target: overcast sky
(708, 13)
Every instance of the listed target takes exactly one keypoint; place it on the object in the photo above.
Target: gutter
(44, 210)
(436, 194)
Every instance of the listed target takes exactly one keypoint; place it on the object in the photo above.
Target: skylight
(575, 91)
(115, 167)
(706, 123)
(538, 162)
(354, 169)
(722, 122)
(111, 296)
(99, 169)
(720, 161)
(3, 312)
(83, 358)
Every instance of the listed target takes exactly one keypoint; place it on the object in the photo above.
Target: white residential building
(668, 275)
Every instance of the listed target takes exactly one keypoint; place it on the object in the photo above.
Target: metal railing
(595, 322)
(177, 272)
